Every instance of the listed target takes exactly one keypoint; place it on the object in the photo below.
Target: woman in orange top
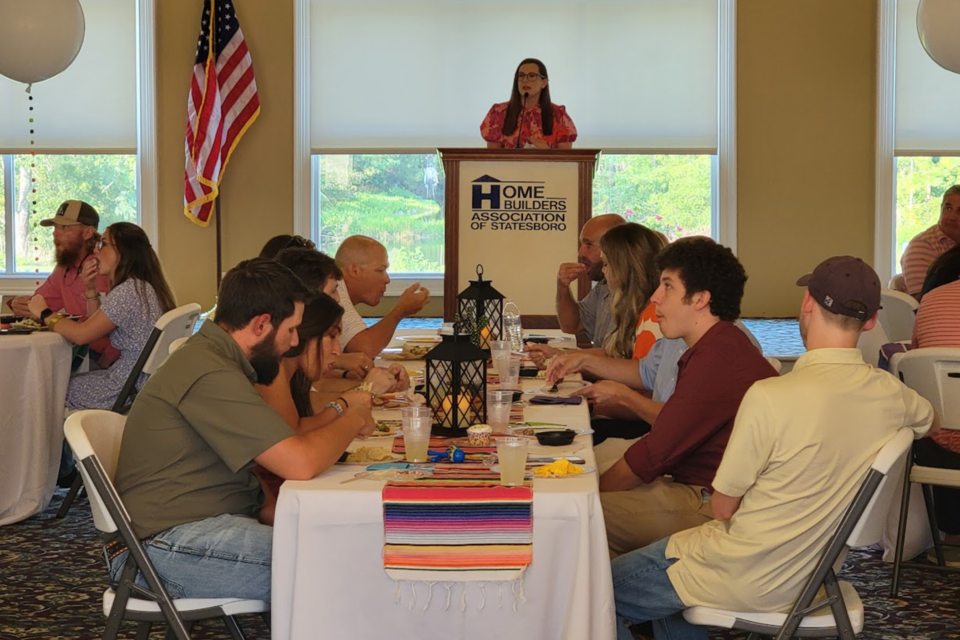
(629, 254)
(544, 125)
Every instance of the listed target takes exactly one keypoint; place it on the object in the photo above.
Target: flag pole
(216, 214)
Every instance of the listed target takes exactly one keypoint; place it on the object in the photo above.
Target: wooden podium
(518, 212)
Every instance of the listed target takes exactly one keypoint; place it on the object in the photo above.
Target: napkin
(556, 400)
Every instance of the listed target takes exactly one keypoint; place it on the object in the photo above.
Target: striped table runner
(457, 525)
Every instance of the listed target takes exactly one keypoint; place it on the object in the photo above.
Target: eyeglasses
(530, 77)
(101, 243)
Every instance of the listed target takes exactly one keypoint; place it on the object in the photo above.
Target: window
(395, 198)
(918, 139)
(86, 146)
(425, 73)
(671, 194)
(108, 181)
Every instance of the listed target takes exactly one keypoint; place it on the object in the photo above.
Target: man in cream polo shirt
(800, 447)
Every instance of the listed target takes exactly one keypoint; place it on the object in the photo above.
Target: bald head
(590, 234)
(364, 264)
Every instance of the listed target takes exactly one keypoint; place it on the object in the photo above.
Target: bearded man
(196, 430)
(74, 236)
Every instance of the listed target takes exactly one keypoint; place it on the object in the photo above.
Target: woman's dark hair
(313, 267)
(516, 102)
(704, 265)
(944, 270)
(139, 261)
(258, 286)
(276, 244)
(319, 314)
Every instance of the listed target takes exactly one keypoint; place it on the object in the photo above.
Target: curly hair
(704, 265)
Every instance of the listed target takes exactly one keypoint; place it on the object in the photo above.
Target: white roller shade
(405, 74)
(92, 106)
(927, 95)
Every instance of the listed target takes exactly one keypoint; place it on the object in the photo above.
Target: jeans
(225, 556)
(642, 591)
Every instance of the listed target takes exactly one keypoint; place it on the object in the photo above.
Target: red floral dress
(491, 129)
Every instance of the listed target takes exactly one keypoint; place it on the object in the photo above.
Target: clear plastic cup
(509, 370)
(417, 422)
(499, 402)
(499, 348)
(512, 458)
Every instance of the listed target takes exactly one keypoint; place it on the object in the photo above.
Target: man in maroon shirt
(662, 483)
(74, 234)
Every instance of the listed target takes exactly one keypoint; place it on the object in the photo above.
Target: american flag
(222, 104)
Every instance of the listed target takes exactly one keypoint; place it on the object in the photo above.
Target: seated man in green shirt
(196, 430)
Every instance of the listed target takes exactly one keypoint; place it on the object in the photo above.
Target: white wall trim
(725, 169)
(885, 189)
(147, 163)
(303, 205)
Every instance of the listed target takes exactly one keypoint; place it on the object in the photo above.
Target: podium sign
(518, 213)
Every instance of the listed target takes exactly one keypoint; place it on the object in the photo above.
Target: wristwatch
(46, 313)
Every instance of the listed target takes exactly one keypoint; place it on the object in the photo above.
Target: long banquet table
(329, 580)
(33, 387)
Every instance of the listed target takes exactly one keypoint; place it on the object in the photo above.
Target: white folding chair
(870, 342)
(840, 614)
(934, 373)
(897, 314)
(171, 326)
(95, 438)
(776, 364)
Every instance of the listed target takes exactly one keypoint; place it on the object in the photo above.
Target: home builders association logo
(508, 205)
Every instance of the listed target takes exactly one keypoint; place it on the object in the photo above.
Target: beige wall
(806, 91)
(805, 135)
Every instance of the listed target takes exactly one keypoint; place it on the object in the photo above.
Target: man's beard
(265, 360)
(67, 255)
(594, 271)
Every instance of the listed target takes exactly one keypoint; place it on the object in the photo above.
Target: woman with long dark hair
(529, 118)
(138, 296)
(290, 393)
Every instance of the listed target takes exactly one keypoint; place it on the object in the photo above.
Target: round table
(33, 389)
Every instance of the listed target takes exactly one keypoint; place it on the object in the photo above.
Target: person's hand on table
(381, 380)
(20, 306)
(412, 300)
(400, 376)
(36, 306)
(361, 403)
(564, 366)
(356, 365)
(540, 353)
(603, 392)
(568, 272)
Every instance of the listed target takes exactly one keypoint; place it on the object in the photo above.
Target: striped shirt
(925, 247)
(938, 325)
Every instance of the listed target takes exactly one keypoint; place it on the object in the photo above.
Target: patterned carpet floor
(53, 579)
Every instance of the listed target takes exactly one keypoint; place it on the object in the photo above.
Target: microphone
(520, 119)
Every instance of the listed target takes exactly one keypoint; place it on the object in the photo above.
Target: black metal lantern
(456, 384)
(480, 310)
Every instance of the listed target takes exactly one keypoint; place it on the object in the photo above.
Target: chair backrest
(934, 373)
(176, 344)
(96, 435)
(176, 323)
(776, 364)
(870, 342)
(898, 313)
(890, 462)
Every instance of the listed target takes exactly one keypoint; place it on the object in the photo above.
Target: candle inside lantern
(484, 338)
(463, 404)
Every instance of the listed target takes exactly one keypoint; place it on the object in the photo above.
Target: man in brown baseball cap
(846, 286)
(74, 234)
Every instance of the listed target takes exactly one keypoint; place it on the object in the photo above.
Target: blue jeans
(642, 591)
(226, 556)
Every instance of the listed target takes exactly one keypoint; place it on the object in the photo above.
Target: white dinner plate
(421, 339)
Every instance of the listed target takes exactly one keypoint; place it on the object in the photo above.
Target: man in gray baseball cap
(75, 226)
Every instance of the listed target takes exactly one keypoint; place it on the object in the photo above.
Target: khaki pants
(650, 512)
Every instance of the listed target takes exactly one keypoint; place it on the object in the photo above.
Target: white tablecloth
(329, 581)
(33, 387)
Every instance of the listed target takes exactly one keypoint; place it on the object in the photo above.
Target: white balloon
(39, 38)
(937, 25)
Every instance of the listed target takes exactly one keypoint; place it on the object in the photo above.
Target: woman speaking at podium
(542, 124)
